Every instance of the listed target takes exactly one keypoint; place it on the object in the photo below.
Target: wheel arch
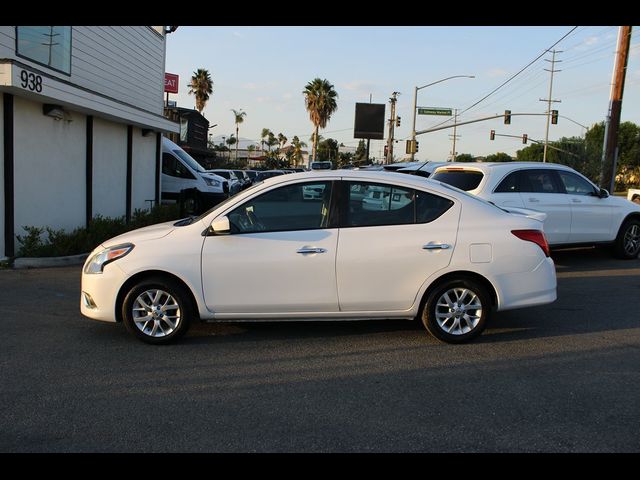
(122, 293)
(458, 274)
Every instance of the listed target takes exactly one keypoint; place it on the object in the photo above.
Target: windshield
(188, 159)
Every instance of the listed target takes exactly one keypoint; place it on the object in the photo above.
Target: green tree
(328, 150)
(465, 157)
(263, 135)
(499, 157)
(282, 140)
(297, 150)
(201, 86)
(361, 152)
(320, 101)
(239, 118)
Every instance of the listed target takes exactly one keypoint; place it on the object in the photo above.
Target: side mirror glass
(220, 226)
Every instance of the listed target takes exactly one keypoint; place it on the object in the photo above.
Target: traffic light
(524, 138)
(416, 146)
(554, 117)
(492, 135)
(409, 146)
(397, 121)
(507, 117)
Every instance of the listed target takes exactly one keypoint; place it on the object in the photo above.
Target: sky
(263, 71)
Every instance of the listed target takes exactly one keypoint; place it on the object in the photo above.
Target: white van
(180, 172)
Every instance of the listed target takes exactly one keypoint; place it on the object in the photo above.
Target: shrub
(82, 240)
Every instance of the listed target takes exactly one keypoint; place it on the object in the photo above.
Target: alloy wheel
(156, 313)
(458, 311)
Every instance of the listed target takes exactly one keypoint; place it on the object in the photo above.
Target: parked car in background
(325, 165)
(578, 212)
(633, 195)
(253, 175)
(235, 185)
(263, 175)
(422, 169)
(181, 172)
(245, 181)
(270, 253)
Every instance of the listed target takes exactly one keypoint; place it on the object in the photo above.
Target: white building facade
(80, 125)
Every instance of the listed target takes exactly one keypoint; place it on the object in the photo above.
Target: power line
(512, 77)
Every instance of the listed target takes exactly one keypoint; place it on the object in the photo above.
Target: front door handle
(534, 200)
(311, 250)
(576, 200)
(436, 246)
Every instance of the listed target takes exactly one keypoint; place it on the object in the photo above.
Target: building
(81, 124)
(193, 135)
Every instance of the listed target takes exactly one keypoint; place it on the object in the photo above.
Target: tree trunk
(314, 153)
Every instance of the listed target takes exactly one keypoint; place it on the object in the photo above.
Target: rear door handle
(304, 250)
(436, 246)
(575, 200)
(534, 200)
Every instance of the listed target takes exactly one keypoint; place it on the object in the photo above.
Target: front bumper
(98, 293)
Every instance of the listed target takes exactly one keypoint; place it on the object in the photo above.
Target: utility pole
(549, 100)
(368, 141)
(392, 124)
(454, 136)
(607, 169)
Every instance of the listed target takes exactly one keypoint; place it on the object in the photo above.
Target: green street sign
(434, 111)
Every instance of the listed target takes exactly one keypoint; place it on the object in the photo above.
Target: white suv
(578, 212)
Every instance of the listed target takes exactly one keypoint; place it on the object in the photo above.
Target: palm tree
(264, 134)
(232, 141)
(297, 150)
(271, 140)
(282, 140)
(239, 119)
(201, 86)
(320, 101)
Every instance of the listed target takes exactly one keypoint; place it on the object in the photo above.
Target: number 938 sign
(30, 81)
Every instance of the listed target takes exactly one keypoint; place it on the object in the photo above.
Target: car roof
(369, 175)
(490, 166)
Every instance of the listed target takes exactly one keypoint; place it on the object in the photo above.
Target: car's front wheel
(627, 244)
(157, 310)
(457, 311)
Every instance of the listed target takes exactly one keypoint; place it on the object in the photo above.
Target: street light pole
(415, 106)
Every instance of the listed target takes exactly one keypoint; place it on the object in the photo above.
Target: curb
(45, 262)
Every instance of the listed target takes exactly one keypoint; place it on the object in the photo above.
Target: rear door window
(463, 179)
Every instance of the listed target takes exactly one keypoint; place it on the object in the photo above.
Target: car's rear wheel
(457, 310)
(157, 310)
(627, 245)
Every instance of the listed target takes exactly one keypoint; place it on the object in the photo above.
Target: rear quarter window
(463, 179)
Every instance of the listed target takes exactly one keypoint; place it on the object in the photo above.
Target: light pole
(415, 106)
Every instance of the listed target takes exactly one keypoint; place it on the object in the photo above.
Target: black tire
(444, 321)
(627, 245)
(176, 300)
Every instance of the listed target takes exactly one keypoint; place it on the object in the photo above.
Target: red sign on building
(171, 82)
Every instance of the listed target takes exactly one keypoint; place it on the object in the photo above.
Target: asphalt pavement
(563, 377)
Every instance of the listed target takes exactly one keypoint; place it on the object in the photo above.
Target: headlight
(212, 182)
(97, 262)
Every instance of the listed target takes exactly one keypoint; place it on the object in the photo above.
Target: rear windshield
(463, 179)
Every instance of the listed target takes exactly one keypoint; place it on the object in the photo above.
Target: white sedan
(275, 253)
(578, 212)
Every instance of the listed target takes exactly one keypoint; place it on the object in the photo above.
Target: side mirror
(220, 226)
(603, 193)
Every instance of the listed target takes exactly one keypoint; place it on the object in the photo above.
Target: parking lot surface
(562, 377)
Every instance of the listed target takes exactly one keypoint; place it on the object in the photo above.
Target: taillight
(535, 236)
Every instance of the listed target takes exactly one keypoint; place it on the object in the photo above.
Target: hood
(151, 232)
(525, 212)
